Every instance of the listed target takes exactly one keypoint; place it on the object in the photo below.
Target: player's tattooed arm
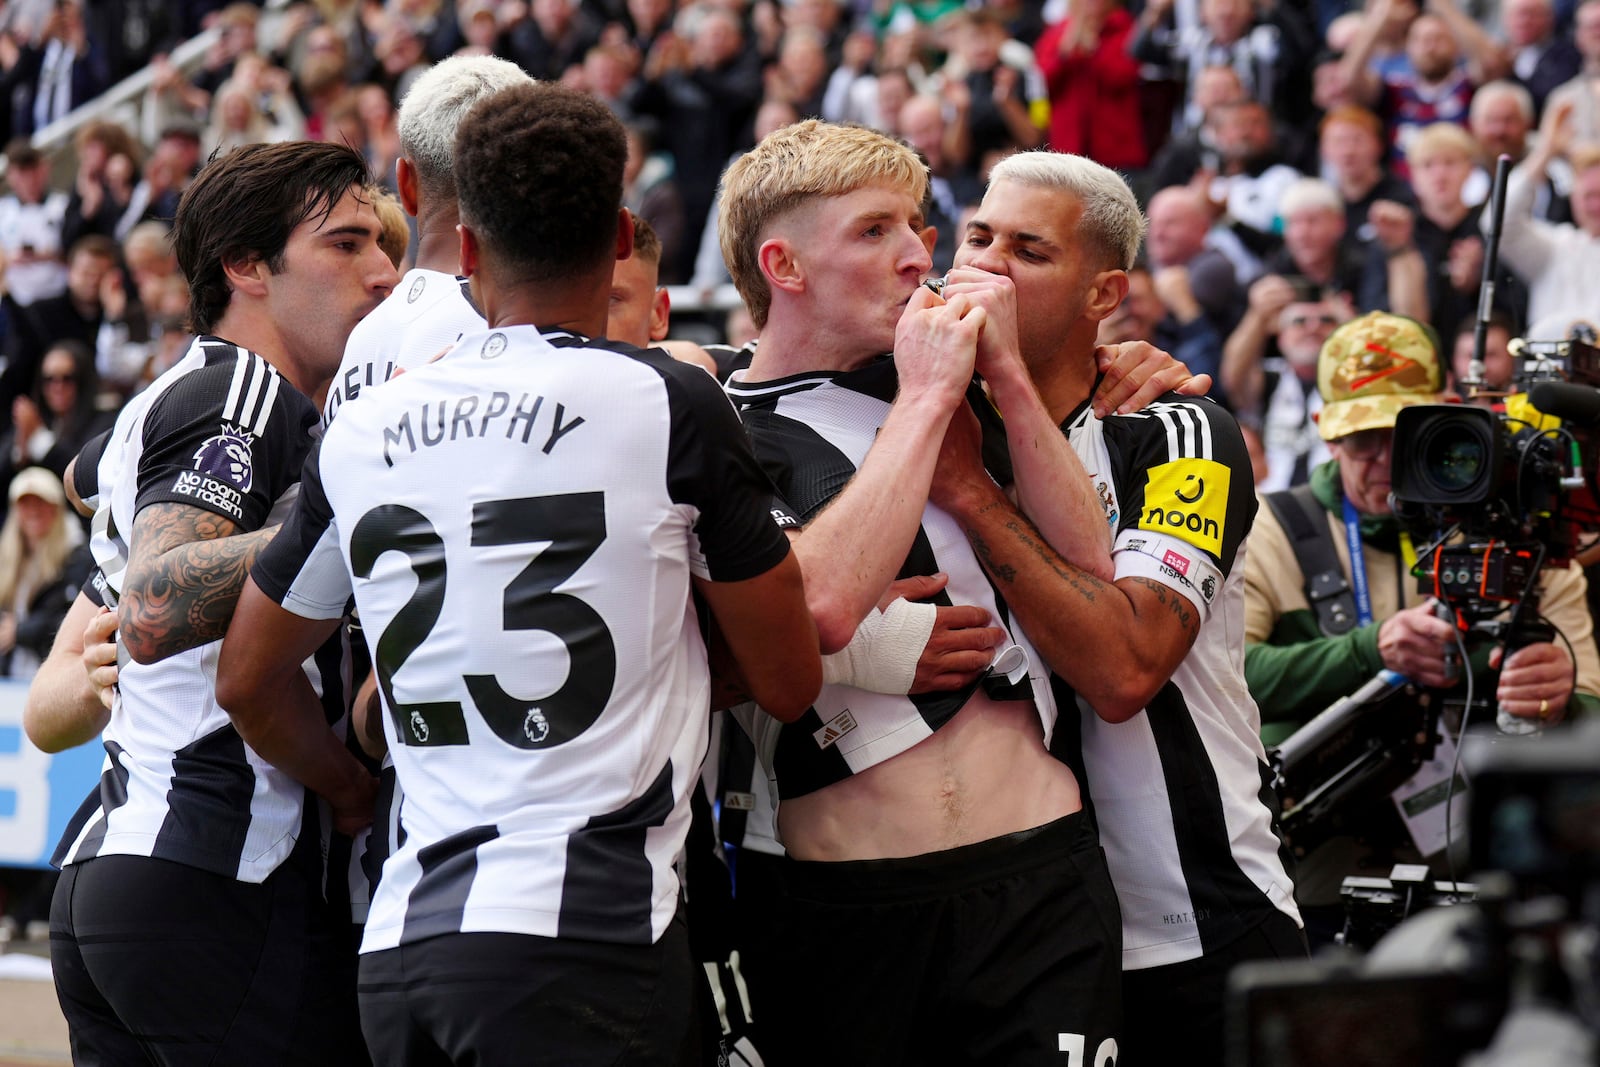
(1078, 622)
(1174, 603)
(185, 569)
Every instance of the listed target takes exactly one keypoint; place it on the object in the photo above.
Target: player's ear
(660, 313)
(405, 183)
(624, 233)
(778, 262)
(247, 273)
(1105, 293)
(469, 251)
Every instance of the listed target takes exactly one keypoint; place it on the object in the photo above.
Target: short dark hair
(95, 244)
(246, 204)
(20, 152)
(646, 242)
(538, 172)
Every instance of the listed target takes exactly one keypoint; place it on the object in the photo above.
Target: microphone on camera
(1577, 404)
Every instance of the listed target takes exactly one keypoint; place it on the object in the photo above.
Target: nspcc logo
(1188, 498)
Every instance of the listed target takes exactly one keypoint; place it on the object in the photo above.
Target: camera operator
(1297, 664)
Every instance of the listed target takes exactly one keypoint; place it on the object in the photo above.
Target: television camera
(1510, 977)
(1490, 495)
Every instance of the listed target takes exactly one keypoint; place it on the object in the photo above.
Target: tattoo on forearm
(1085, 584)
(1176, 603)
(184, 577)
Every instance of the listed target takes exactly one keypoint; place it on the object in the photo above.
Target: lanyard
(1358, 564)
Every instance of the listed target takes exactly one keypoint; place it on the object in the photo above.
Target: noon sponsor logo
(1189, 499)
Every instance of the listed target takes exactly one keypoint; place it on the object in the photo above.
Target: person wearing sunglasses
(1269, 372)
(51, 424)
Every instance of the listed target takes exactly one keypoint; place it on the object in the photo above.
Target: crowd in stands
(1301, 162)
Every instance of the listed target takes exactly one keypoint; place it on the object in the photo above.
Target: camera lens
(1455, 458)
(1445, 454)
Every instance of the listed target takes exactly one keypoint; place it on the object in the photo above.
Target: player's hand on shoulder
(1135, 373)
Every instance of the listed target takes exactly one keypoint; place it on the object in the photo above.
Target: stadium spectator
(1584, 87)
(853, 87)
(1537, 55)
(1498, 366)
(130, 328)
(1316, 245)
(32, 217)
(1557, 261)
(1271, 48)
(800, 74)
(1269, 370)
(58, 71)
(1163, 311)
(1351, 147)
(75, 314)
(236, 37)
(709, 269)
(1180, 222)
(988, 97)
(1193, 149)
(703, 93)
(166, 175)
(100, 191)
(1446, 231)
(1094, 84)
(58, 418)
(553, 36)
(1253, 170)
(1446, 56)
(41, 568)
(651, 192)
(952, 188)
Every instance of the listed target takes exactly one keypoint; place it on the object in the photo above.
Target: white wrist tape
(882, 656)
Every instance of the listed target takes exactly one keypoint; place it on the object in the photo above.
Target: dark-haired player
(189, 925)
(521, 524)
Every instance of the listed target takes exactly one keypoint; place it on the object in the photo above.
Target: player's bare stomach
(983, 775)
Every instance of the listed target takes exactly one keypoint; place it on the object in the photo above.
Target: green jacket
(1294, 672)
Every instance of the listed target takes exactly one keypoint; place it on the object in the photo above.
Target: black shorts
(1190, 997)
(521, 1001)
(1006, 952)
(159, 962)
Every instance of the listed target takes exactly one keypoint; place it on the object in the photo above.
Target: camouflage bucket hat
(1373, 366)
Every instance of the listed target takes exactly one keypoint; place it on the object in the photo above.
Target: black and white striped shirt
(811, 432)
(1181, 791)
(518, 524)
(224, 432)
